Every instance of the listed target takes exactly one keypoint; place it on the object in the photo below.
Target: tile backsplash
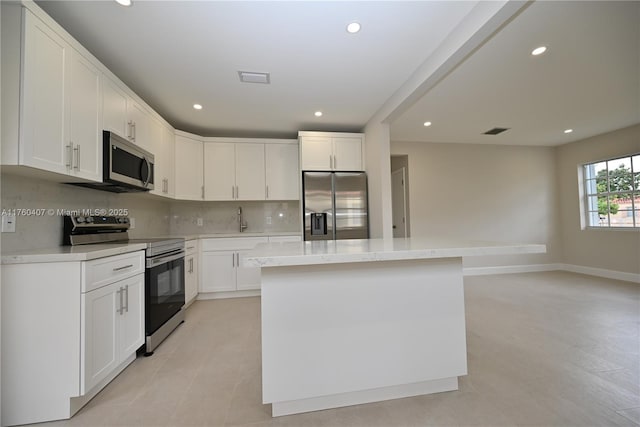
(222, 217)
(153, 216)
(45, 231)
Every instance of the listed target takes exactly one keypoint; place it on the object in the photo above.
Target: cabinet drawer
(191, 246)
(232, 244)
(100, 272)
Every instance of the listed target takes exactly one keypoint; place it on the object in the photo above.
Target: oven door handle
(154, 262)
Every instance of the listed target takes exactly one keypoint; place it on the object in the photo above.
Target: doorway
(400, 196)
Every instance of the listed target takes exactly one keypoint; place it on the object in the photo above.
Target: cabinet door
(191, 277)
(99, 334)
(85, 118)
(188, 170)
(132, 333)
(347, 153)
(218, 271)
(139, 124)
(220, 170)
(168, 149)
(43, 140)
(250, 171)
(114, 108)
(247, 277)
(282, 172)
(159, 157)
(316, 153)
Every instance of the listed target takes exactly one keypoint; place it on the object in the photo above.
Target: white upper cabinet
(234, 171)
(162, 145)
(347, 153)
(60, 105)
(114, 108)
(282, 172)
(219, 171)
(189, 175)
(250, 172)
(138, 124)
(168, 160)
(85, 118)
(126, 117)
(42, 123)
(331, 151)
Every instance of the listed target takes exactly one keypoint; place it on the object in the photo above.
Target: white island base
(342, 334)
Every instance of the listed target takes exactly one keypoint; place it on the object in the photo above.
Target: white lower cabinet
(68, 328)
(113, 328)
(220, 266)
(191, 270)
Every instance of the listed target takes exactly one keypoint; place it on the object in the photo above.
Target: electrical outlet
(132, 223)
(200, 222)
(8, 223)
(268, 220)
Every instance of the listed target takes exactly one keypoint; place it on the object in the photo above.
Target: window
(612, 191)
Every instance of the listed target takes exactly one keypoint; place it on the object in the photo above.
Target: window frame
(588, 181)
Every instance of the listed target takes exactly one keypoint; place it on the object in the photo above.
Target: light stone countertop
(70, 253)
(369, 250)
(237, 234)
(93, 251)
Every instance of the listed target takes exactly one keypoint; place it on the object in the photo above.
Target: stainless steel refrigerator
(335, 205)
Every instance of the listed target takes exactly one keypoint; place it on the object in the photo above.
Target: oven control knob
(89, 219)
(80, 219)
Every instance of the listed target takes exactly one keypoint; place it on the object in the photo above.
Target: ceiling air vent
(253, 77)
(495, 131)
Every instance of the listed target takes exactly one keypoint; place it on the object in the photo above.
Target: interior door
(399, 203)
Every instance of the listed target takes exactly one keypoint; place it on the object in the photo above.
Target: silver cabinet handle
(233, 192)
(69, 155)
(237, 192)
(134, 130)
(202, 192)
(123, 267)
(120, 309)
(335, 162)
(267, 192)
(130, 130)
(126, 289)
(77, 152)
(233, 260)
(238, 259)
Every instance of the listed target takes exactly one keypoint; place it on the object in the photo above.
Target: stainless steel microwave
(126, 164)
(126, 168)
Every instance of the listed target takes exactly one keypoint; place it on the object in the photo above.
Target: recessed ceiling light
(318, 114)
(568, 130)
(539, 50)
(353, 27)
(427, 124)
(124, 2)
(197, 106)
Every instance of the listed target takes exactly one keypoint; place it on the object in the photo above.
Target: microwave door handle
(146, 181)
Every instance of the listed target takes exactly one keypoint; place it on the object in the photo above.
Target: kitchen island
(355, 321)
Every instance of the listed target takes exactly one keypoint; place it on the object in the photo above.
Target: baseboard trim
(510, 269)
(601, 272)
(228, 294)
(590, 271)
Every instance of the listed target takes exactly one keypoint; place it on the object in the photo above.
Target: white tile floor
(544, 349)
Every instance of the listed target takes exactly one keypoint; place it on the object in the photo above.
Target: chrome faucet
(241, 222)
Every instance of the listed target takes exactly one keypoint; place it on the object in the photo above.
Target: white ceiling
(174, 54)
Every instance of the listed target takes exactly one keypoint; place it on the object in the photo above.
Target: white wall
(485, 192)
(378, 168)
(617, 250)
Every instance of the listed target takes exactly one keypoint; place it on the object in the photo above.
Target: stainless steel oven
(164, 289)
